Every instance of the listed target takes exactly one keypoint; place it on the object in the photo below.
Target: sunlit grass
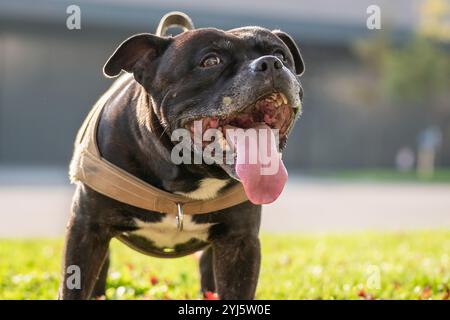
(410, 265)
(440, 175)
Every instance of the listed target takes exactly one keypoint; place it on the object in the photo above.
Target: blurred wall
(49, 81)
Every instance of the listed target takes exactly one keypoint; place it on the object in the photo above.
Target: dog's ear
(133, 54)
(295, 51)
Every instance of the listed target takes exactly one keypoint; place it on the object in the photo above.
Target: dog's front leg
(85, 252)
(207, 280)
(236, 266)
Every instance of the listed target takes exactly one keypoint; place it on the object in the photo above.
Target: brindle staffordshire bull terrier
(246, 77)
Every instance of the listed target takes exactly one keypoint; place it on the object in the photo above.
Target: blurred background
(371, 151)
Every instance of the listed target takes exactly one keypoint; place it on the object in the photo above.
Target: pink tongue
(260, 169)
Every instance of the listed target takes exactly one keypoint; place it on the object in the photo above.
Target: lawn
(409, 265)
(441, 175)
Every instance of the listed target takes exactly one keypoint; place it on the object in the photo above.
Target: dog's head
(241, 78)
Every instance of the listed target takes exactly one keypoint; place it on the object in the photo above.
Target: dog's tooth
(285, 100)
(223, 143)
(279, 101)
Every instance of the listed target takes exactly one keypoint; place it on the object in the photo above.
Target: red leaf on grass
(366, 296)
(426, 293)
(208, 295)
(361, 293)
(153, 280)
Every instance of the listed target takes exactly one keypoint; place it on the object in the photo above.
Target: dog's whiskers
(164, 131)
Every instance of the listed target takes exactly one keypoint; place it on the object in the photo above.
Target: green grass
(386, 175)
(410, 265)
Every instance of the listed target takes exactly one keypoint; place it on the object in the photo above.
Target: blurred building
(50, 76)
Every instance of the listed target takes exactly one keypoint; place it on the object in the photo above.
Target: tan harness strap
(110, 180)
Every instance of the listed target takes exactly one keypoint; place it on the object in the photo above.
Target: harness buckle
(179, 218)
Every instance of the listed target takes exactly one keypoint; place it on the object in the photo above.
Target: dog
(222, 78)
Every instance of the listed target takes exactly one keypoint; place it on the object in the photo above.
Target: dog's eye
(210, 61)
(280, 55)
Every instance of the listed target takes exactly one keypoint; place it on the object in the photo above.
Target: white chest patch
(164, 234)
(208, 189)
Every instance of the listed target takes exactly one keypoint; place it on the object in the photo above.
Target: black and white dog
(244, 78)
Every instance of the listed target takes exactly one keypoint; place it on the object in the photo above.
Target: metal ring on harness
(180, 218)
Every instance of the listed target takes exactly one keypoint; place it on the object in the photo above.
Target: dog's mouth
(272, 110)
(254, 135)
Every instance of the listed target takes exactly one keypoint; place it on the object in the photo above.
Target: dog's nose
(266, 64)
